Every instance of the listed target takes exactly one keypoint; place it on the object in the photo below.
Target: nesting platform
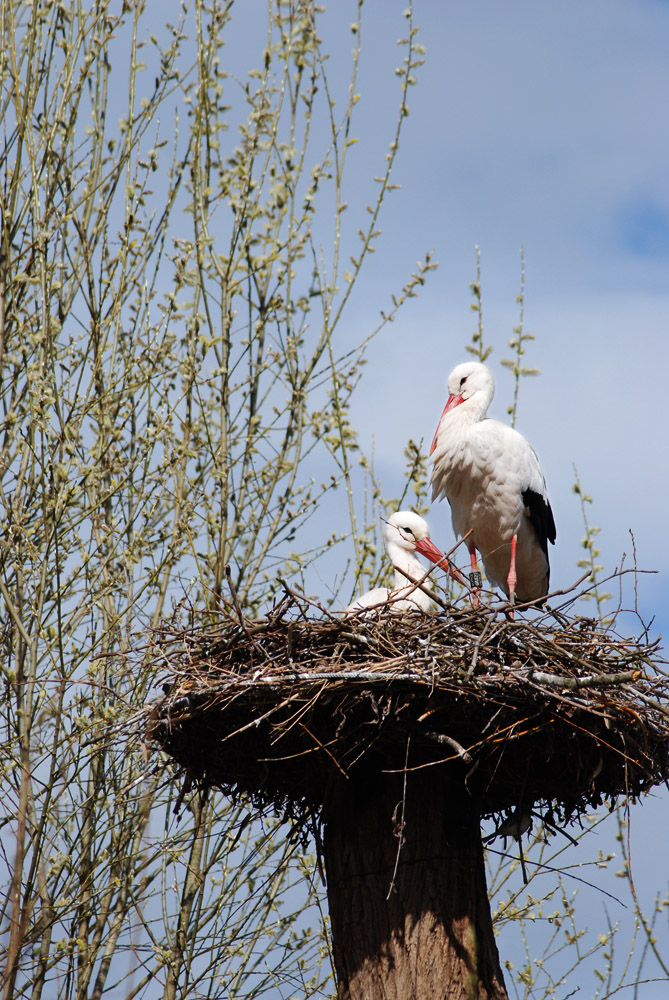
(556, 714)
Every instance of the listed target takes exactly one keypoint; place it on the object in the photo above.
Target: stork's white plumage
(404, 534)
(492, 479)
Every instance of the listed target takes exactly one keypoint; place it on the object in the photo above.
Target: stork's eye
(408, 531)
(463, 380)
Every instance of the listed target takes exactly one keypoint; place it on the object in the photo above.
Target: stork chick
(404, 534)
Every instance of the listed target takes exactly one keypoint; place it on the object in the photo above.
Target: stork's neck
(471, 410)
(406, 562)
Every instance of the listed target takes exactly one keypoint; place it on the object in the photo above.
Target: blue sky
(537, 126)
(541, 126)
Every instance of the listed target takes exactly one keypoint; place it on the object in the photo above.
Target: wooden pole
(416, 925)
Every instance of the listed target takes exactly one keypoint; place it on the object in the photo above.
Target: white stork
(404, 534)
(492, 479)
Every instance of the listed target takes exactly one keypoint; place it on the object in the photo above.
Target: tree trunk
(431, 938)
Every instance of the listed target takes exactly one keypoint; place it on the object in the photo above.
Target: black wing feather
(541, 517)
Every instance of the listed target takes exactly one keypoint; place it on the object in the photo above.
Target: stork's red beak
(428, 549)
(453, 400)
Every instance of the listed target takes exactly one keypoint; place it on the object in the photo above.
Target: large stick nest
(554, 713)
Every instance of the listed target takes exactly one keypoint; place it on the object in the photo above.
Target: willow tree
(174, 398)
(176, 263)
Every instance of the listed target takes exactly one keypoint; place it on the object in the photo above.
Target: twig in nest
(574, 683)
(449, 741)
(400, 832)
(242, 620)
(477, 648)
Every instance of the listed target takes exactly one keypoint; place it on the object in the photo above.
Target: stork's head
(470, 383)
(408, 531)
(469, 378)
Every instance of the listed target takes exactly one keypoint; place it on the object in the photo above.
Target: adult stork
(404, 534)
(492, 479)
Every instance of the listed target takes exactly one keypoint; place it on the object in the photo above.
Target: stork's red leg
(474, 576)
(512, 579)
